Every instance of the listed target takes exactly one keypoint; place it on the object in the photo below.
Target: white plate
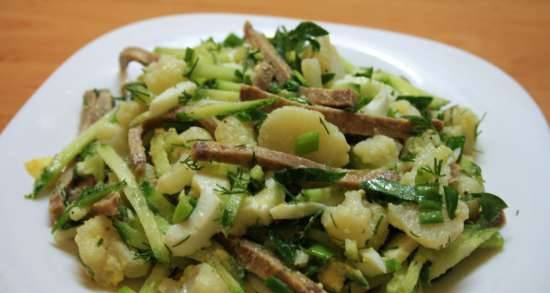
(515, 144)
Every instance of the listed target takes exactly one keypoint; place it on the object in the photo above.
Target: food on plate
(268, 164)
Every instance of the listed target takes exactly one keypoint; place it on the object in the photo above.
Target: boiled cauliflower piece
(231, 130)
(282, 126)
(185, 238)
(166, 72)
(349, 220)
(203, 278)
(103, 252)
(426, 159)
(255, 209)
(377, 151)
(462, 121)
(406, 217)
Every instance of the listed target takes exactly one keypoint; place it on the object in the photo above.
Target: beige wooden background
(37, 36)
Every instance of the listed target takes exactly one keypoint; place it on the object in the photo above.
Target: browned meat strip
(55, 207)
(107, 206)
(338, 98)
(137, 151)
(96, 104)
(248, 156)
(261, 262)
(210, 124)
(137, 54)
(263, 75)
(274, 160)
(349, 123)
(282, 71)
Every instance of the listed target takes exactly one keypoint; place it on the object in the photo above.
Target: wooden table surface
(37, 36)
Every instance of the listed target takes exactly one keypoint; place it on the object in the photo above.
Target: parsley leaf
(232, 40)
(294, 179)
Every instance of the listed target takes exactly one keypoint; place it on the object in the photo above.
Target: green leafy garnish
(456, 142)
(307, 143)
(290, 44)
(138, 91)
(391, 190)
(327, 77)
(491, 206)
(285, 249)
(420, 102)
(419, 124)
(232, 40)
(293, 179)
(320, 252)
(451, 200)
(365, 72)
(277, 286)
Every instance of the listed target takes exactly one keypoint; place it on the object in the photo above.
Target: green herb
(285, 249)
(451, 200)
(365, 72)
(306, 143)
(232, 40)
(191, 60)
(290, 44)
(191, 164)
(471, 169)
(277, 286)
(477, 131)
(392, 265)
(210, 84)
(491, 206)
(434, 171)
(327, 77)
(323, 123)
(88, 197)
(181, 241)
(363, 100)
(419, 124)
(293, 179)
(456, 142)
(425, 273)
(156, 201)
(242, 76)
(255, 116)
(407, 157)
(431, 217)
(420, 102)
(138, 91)
(390, 190)
(320, 252)
(99, 242)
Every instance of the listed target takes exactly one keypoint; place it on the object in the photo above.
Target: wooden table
(36, 36)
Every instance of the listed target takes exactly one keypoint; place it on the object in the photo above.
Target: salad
(257, 164)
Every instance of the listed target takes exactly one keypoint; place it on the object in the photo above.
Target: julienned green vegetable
(63, 158)
(221, 109)
(137, 200)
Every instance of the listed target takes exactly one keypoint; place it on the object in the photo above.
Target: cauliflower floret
(282, 126)
(403, 108)
(426, 160)
(462, 121)
(104, 253)
(231, 130)
(406, 217)
(377, 151)
(349, 220)
(467, 184)
(167, 72)
(203, 278)
(255, 209)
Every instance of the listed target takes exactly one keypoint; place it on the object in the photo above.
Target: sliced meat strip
(348, 122)
(137, 151)
(96, 104)
(264, 264)
(282, 71)
(137, 54)
(107, 206)
(263, 75)
(210, 124)
(274, 160)
(337, 98)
